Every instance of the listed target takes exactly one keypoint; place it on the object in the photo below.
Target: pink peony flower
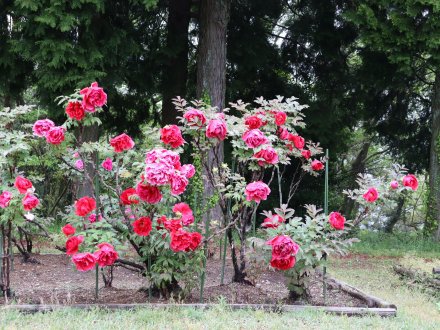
(5, 199)
(30, 202)
(128, 197)
(283, 263)
(172, 135)
(42, 126)
(84, 261)
(75, 110)
(84, 206)
(257, 191)
(266, 156)
(178, 183)
(122, 142)
(182, 240)
(55, 135)
(142, 226)
(371, 195)
(410, 181)
(283, 246)
(317, 165)
(188, 170)
(93, 97)
(158, 174)
(194, 117)
(107, 164)
(394, 184)
(336, 220)
(283, 133)
(92, 218)
(216, 129)
(79, 165)
(254, 138)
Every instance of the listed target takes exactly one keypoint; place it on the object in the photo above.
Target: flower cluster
(24, 187)
(284, 250)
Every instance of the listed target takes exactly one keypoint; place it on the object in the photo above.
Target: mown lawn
(369, 269)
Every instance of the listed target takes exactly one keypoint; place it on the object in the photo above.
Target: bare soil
(56, 281)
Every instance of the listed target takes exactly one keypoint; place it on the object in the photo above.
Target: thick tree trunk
(211, 59)
(434, 160)
(175, 73)
(357, 167)
(83, 186)
(396, 216)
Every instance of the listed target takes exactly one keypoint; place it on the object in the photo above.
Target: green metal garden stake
(324, 271)
(96, 282)
(1, 260)
(202, 279)
(97, 219)
(279, 186)
(150, 294)
(222, 277)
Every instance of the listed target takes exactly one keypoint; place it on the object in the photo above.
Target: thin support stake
(202, 278)
(96, 281)
(324, 271)
(150, 294)
(279, 186)
(222, 278)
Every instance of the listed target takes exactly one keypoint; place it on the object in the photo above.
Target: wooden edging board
(349, 311)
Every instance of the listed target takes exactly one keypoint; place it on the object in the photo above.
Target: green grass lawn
(372, 273)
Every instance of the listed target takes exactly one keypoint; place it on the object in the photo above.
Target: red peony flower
(172, 135)
(42, 126)
(93, 97)
(68, 230)
(194, 117)
(72, 244)
(254, 138)
(129, 197)
(75, 110)
(283, 246)
(142, 226)
(30, 202)
(306, 154)
(317, 165)
(257, 191)
(171, 224)
(182, 240)
(106, 255)
(183, 210)
(371, 195)
(272, 222)
(149, 194)
(266, 156)
(298, 141)
(5, 199)
(283, 263)
(55, 135)
(216, 129)
(411, 181)
(22, 184)
(122, 142)
(84, 206)
(336, 220)
(84, 261)
(253, 122)
(280, 118)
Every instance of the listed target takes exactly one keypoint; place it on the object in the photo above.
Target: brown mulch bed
(56, 281)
